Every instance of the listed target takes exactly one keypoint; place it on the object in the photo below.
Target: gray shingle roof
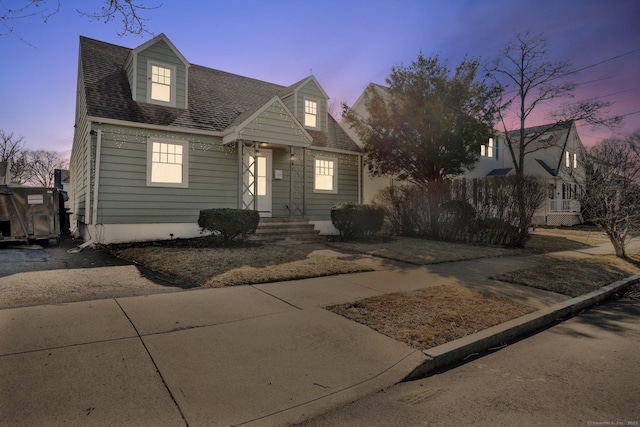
(550, 170)
(216, 98)
(542, 129)
(497, 172)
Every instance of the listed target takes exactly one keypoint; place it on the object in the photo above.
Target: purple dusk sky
(346, 44)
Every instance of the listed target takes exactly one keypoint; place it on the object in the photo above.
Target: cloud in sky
(345, 44)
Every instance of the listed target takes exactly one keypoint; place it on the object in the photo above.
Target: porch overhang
(272, 124)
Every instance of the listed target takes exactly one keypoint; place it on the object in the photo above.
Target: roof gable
(157, 39)
(271, 123)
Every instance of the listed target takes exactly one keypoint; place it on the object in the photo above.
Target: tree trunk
(434, 189)
(618, 246)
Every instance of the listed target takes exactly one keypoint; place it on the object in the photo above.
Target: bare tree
(612, 189)
(12, 150)
(130, 12)
(524, 80)
(41, 165)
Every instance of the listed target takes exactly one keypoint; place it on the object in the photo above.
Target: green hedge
(229, 223)
(353, 220)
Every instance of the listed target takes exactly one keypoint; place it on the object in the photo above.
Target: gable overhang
(160, 37)
(307, 80)
(250, 129)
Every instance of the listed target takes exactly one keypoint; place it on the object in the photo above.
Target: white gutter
(94, 213)
(96, 180)
(101, 120)
(335, 150)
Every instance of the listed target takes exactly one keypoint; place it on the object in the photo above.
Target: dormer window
(310, 113)
(162, 84)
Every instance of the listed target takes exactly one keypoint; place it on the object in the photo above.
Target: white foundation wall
(326, 228)
(125, 233)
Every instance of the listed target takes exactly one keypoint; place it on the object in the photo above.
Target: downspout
(360, 200)
(240, 147)
(290, 181)
(96, 181)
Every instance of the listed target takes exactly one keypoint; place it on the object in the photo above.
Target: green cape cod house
(158, 139)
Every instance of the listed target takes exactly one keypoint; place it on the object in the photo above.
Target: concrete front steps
(276, 229)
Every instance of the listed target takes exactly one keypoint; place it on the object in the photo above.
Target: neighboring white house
(555, 155)
(370, 185)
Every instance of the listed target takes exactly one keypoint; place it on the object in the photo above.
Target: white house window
(162, 84)
(326, 175)
(310, 113)
(167, 164)
(575, 160)
(567, 160)
(486, 150)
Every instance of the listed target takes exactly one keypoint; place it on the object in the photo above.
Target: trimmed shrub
(354, 220)
(229, 223)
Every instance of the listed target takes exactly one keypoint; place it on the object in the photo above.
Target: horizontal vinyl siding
(289, 102)
(274, 125)
(124, 197)
(281, 187)
(319, 204)
(79, 162)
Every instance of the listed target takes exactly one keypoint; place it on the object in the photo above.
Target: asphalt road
(20, 258)
(582, 372)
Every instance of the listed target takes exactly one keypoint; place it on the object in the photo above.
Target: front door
(261, 170)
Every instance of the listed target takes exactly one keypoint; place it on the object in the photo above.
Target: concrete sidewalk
(248, 355)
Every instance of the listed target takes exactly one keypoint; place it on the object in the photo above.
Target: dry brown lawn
(218, 267)
(433, 316)
(423, 251)
(573, 277)
(423, 318)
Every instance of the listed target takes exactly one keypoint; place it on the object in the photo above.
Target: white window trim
(185, 162)
(304, 112)
(335, 174)
(174, 80)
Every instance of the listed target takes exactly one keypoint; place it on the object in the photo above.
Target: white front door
(261, 169)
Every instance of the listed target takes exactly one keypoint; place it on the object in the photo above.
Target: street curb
(497, 336)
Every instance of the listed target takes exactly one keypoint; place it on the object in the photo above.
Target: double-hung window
(162, 84)
(486, 150)
(167, 163)
(326, 175)
(310, 113)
